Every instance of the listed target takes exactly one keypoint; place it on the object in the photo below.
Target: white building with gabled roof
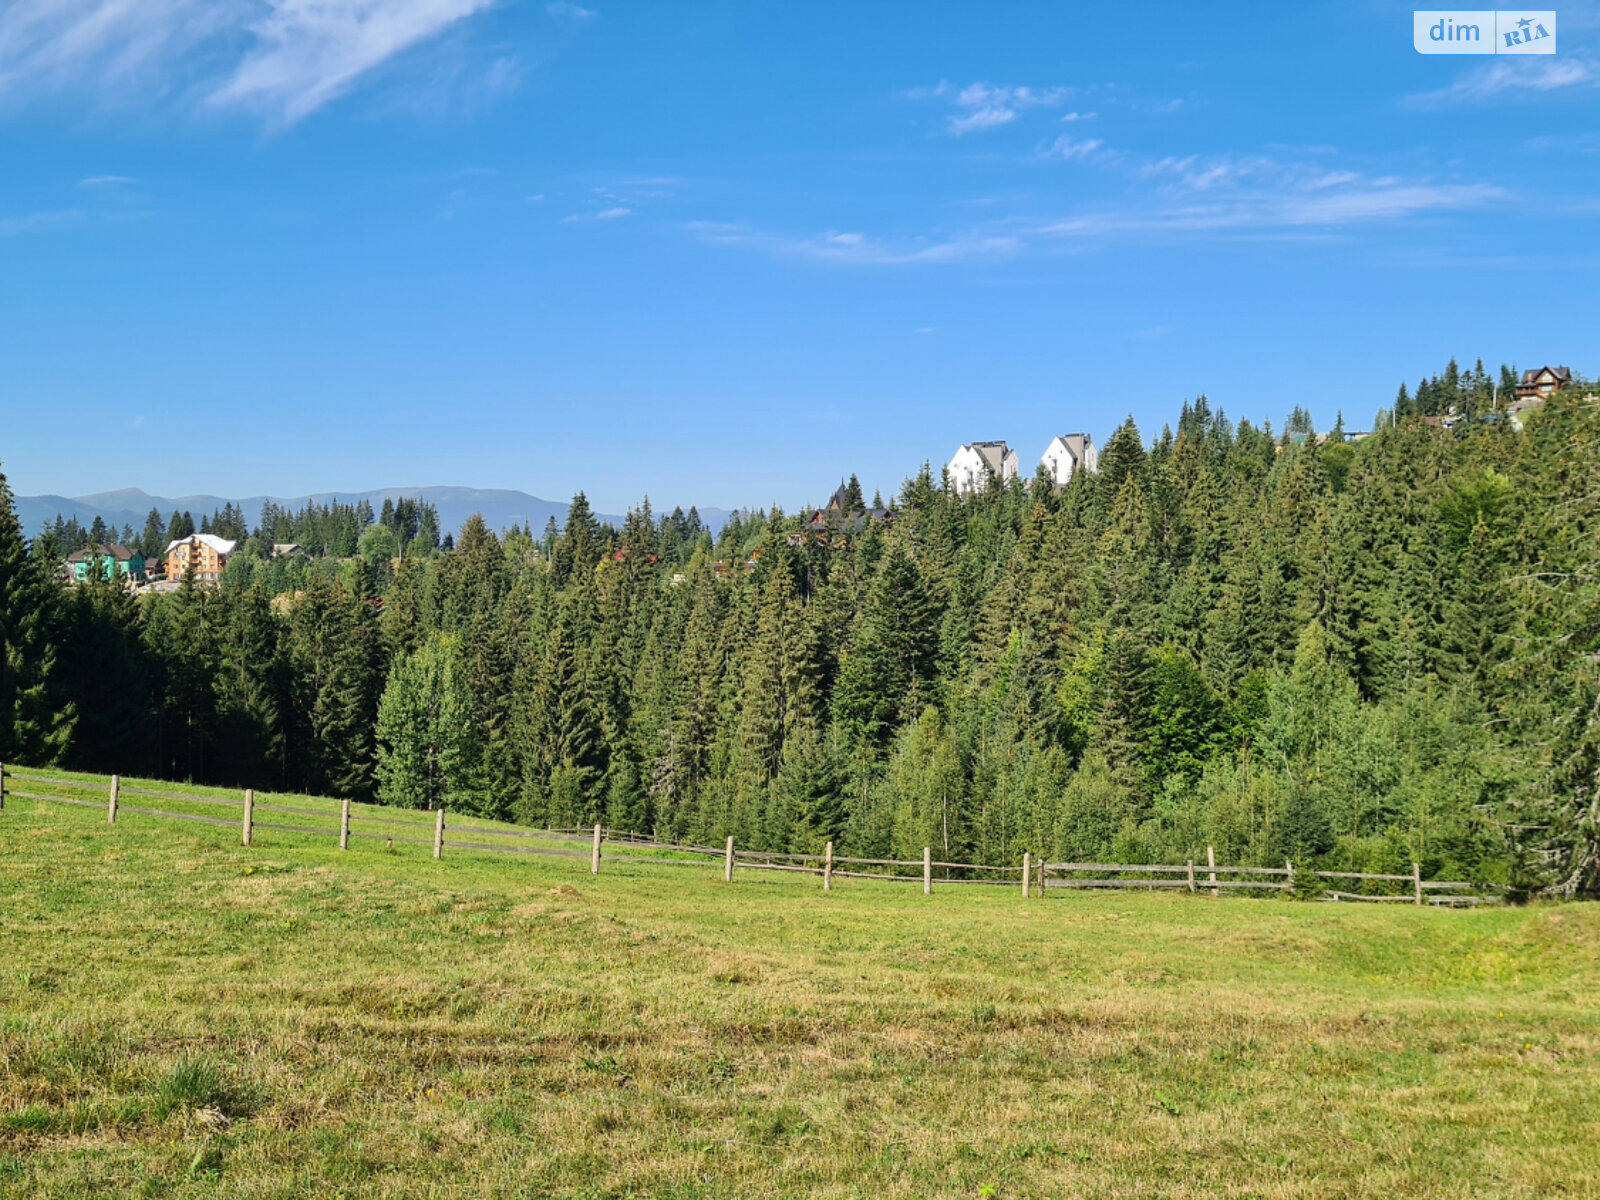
(1068, 454)
(975, 465)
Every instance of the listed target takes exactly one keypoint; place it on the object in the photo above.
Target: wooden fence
(599, 844)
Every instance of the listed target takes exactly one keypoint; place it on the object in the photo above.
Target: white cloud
(1277, 209)
(312, 51)
(614, 213)
(113, 44)
(1173, 197)
(1069, 148)
(1515, 75)
(851, 248)
(987, 117)
(106, 180)
(282, 58)
(16, 226)
(982, 106)
(564, 11)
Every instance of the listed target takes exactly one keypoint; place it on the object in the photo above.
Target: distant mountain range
(500, 507)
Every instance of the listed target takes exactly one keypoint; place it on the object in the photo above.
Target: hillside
(187, 1017)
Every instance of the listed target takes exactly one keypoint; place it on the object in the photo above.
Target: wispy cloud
(1277, 209)
(281, 58)
(1066, 148)
(1574, 143)
(624, 196)
(1175, 197)
(980, 106)
(1516, 75)
(16, 226)
(311, 51)
(615, 213)
(851, 248)
(561, 10)
(95, 181)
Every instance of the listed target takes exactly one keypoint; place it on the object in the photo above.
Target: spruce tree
(34, 727)
(895, 648)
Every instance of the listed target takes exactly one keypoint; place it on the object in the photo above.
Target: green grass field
(181, 1016)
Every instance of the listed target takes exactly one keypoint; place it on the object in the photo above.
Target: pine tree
(247, 682)
(34, 727)
(333, 654)
(104, 666)
(895, 649)
(562, 747)
(151, 543)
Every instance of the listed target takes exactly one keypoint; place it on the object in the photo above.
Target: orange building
(203, 553)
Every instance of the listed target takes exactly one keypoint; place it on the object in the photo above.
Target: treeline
(331, 529)
(1468, 395)
(1353, 655)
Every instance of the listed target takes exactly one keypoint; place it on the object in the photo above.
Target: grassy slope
(181, 1016)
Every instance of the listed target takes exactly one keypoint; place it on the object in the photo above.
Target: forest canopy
(1353, 654)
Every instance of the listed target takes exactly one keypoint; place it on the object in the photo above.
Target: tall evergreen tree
(34, 726)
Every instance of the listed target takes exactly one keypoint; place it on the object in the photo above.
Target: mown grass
(180, 1016)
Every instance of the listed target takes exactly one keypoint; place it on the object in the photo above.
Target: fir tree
(34, 726)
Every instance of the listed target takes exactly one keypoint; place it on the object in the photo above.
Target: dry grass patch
(183, 1017)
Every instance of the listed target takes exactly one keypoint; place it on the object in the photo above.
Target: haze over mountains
(500, 507)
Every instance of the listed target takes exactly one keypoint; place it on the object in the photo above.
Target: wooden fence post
(727, 863)
(111, 800)
(827, 867)
(594, 855)
(2, 787)
(1040, 880)
(1191, 874)
(438, 834)
(249, 815)
(1211, 861)
(344, 825)
(1416, 879)
(1288, 867)
(927, 870)
(1027, 872)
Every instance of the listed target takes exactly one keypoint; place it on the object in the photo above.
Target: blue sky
(724, 252)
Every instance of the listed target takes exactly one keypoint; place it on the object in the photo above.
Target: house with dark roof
(1542, 382)
(838, 516)
(1537, 385)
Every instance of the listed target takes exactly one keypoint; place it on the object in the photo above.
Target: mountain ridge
(500, 507)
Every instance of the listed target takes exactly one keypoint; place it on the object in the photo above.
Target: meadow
(183, 1016)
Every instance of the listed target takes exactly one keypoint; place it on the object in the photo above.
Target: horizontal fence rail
(1036, 877)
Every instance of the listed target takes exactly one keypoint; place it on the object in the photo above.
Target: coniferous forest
(1353, 654)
